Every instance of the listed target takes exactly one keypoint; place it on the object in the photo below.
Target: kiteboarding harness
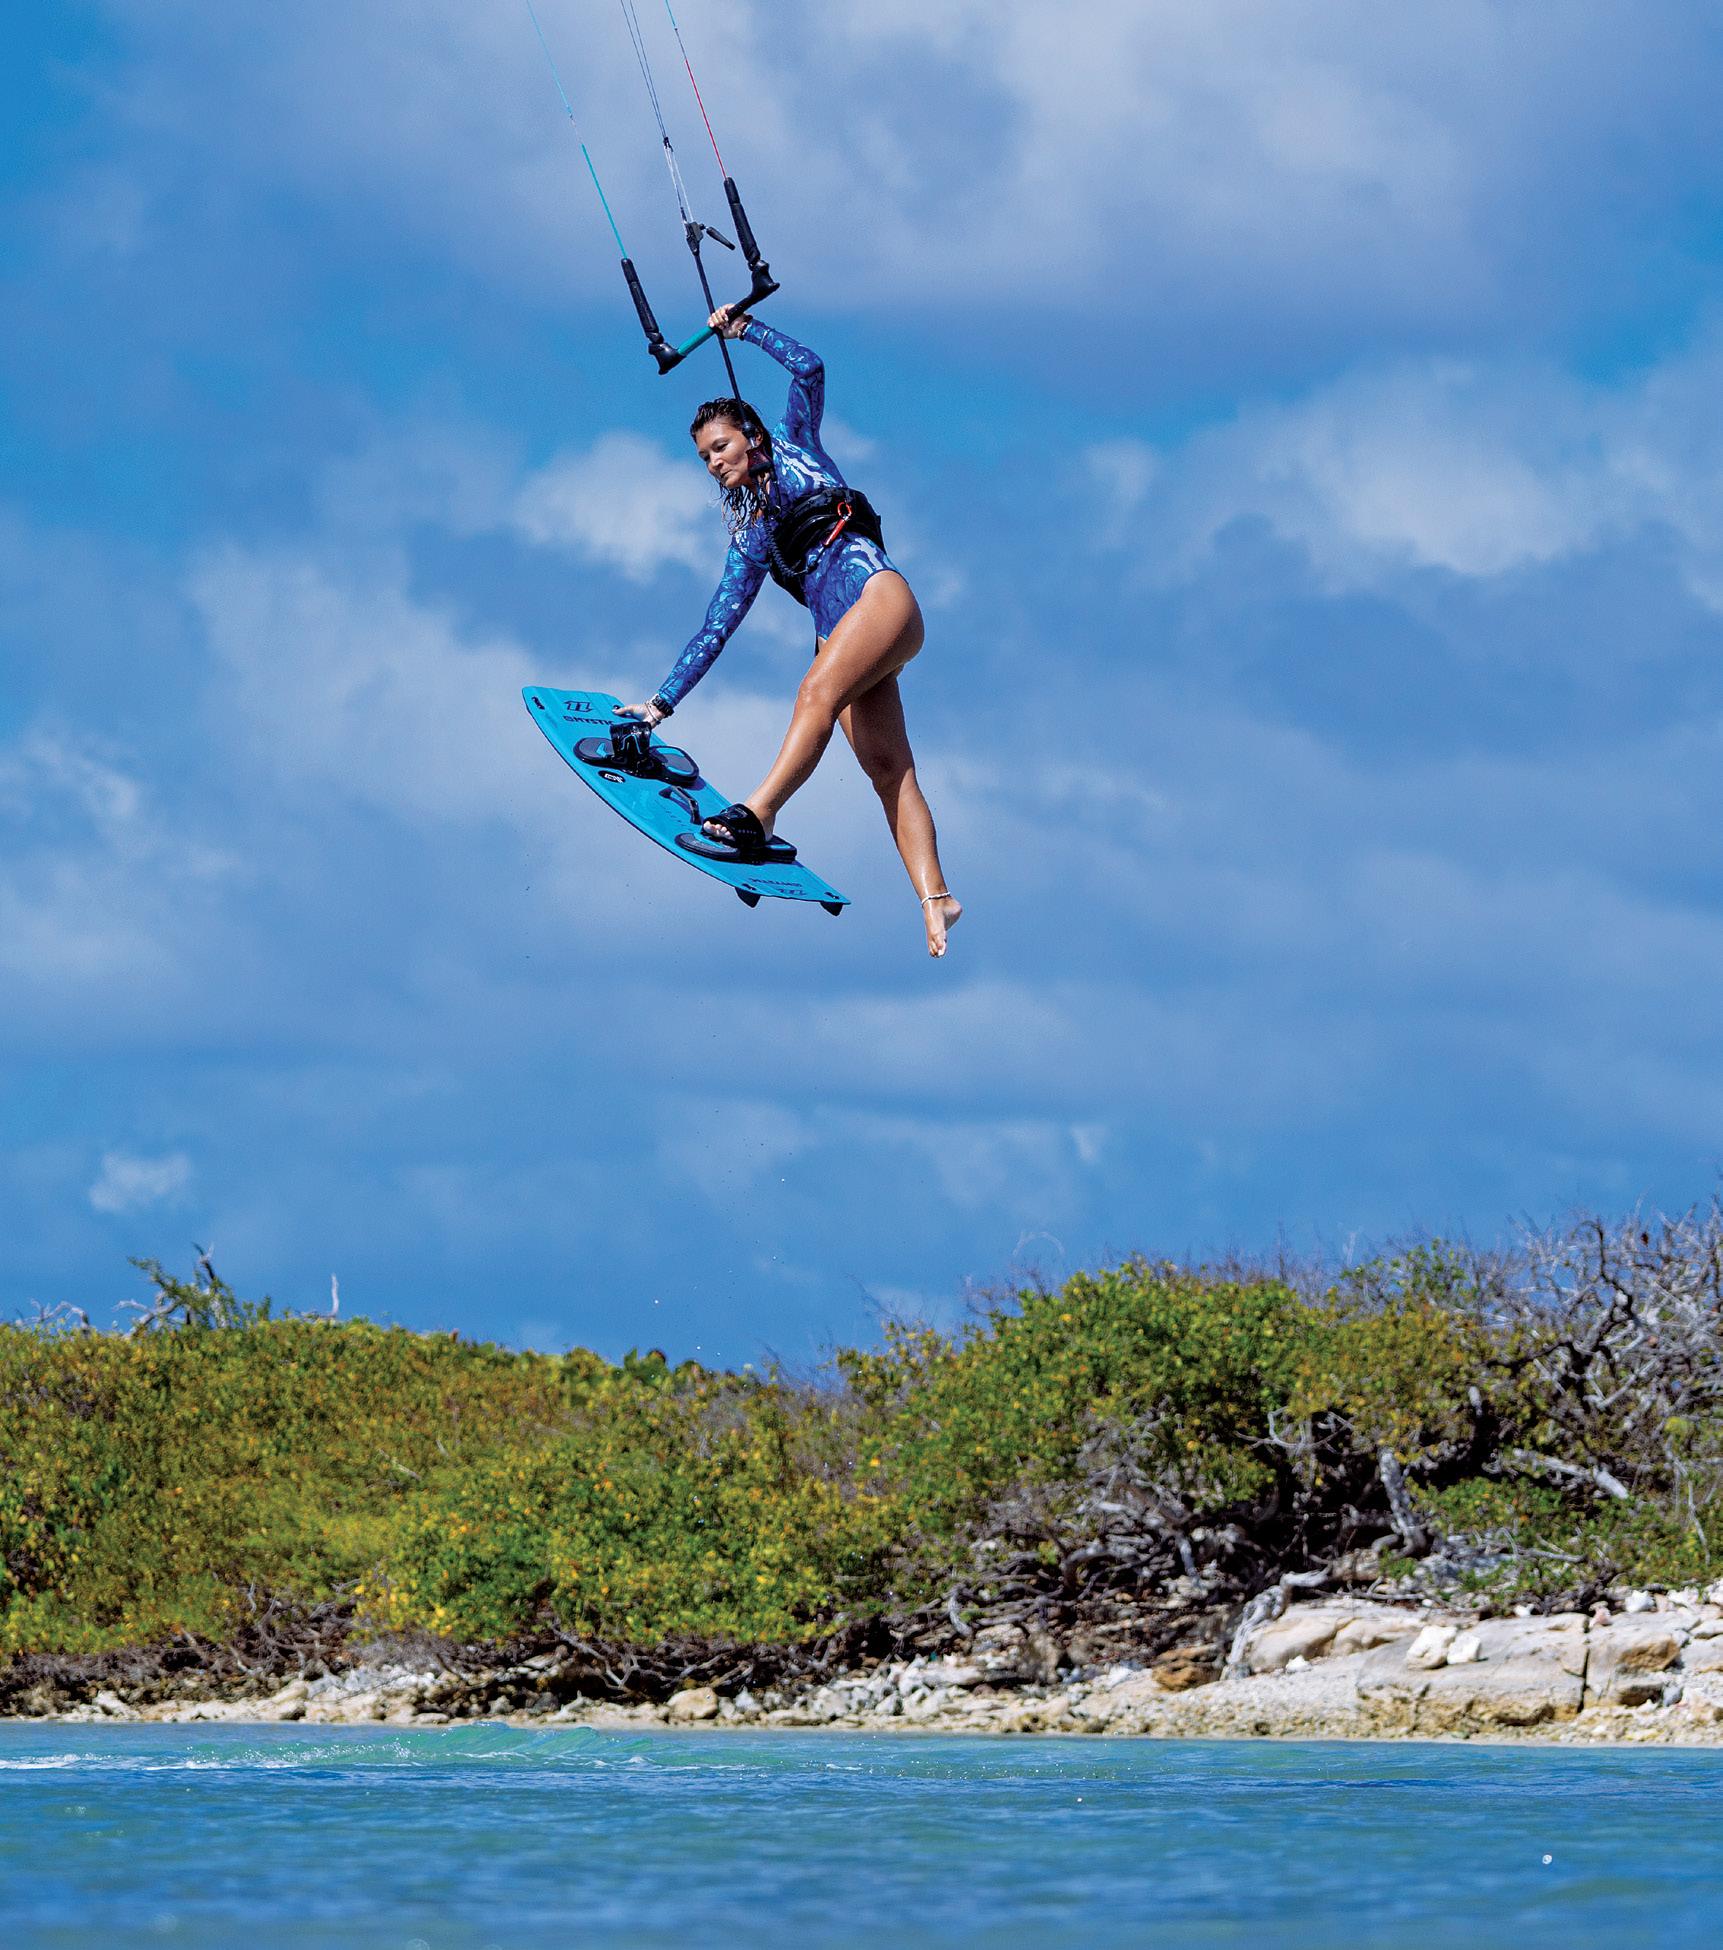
(823, 562)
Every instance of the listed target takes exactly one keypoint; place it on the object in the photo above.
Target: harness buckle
(843, 521)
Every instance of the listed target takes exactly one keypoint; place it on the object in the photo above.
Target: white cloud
(626, 502)
(44, 768)
(724, 1146)
(455, 476)
(100, 894)
(1322, 152)
(130, 1183)
(340, 681)
(1474, 469)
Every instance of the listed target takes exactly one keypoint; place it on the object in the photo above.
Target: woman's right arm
(737, 588)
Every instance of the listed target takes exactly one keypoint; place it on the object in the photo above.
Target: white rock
(1636, 1601)
(1305, 1632)
(693, 1703)
(1297, 1663)
(1627, 1668)
(1466, 1650)
(927, 1704)
(1532, 1670)
(955, 1674)
(1429, 1649)
(111, 1703)
(1376, 1628)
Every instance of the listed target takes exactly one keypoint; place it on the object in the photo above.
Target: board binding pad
(674, 798)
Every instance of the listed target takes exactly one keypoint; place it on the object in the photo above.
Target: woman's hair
(746, 503)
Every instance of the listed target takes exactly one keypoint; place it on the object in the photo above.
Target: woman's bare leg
(875, 638)
(854, 680)
(875, 728)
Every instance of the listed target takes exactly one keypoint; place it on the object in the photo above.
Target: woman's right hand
(729, 322)
(652, 712)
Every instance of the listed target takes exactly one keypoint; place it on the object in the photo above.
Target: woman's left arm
(807, 372)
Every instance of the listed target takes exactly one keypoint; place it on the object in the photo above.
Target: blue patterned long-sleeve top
(799, 466)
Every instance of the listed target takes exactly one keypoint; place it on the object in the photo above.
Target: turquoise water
(460, 1838)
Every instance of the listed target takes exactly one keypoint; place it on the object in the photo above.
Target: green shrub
(153, 1482)
(661, 1514)
(1137, 1422)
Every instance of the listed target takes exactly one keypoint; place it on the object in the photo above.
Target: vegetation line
(1122, 1466)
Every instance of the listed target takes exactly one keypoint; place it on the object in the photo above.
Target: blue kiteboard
(658, 788)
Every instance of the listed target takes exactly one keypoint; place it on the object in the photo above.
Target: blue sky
(1301, 425)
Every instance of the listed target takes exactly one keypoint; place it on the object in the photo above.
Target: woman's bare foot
(715, 829)
(941, 912)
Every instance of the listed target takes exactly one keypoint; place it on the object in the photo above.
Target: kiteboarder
(791, 515)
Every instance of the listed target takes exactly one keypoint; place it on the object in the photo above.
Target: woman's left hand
(729, 322)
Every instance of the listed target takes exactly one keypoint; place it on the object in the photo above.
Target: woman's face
(724, 448)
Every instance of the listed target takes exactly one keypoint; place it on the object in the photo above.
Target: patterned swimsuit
(800, 465)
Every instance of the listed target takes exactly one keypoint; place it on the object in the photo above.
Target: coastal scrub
(1120, 1464)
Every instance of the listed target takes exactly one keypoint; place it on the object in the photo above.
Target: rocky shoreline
(1645, 1668)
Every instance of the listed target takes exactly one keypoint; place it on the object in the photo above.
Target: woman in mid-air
(792, 515)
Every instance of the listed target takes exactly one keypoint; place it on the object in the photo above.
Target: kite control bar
(669, 356)
(764, 284)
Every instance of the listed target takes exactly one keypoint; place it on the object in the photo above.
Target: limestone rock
(1305, 1632)
(1702, 1700)
(692, 1703)
(1133, 1694)
(1703, 1655)
(953, 1672)
(922, 1706)
(1627, 1665)
(1370, 1629)
(1466, 1650)
(1039, 1658)
(286, 1702)
(1037, 1716)
(1527, 1671)
(1429, 1649)
(1191, 1665)
(212, 1709)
